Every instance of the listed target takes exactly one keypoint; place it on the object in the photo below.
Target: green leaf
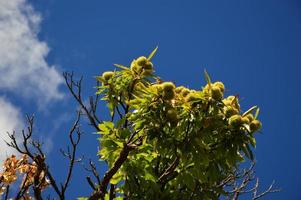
(108, 144)
(106, 127)
(99, 78)
(111, 107)
(100, 90)
(152, 53)
(82, 198)
(248, 152)
(249, 111)
(252, 141)
(107, 196)
(208, 155)
(207, 78)
(148, 176)
(231, 157)
(124, 133)
(103, 129)
(121, 66)
(109, 124)
(240, 157)
(120, 144)
(120, 122)
(188, 180)
(257, 113)
(116, 178)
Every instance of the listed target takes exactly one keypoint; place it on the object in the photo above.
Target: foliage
(162, 141)
(31, 172)
(185, 142)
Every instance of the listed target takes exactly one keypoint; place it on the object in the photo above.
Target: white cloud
(23, 67)
(10, 120)
(24, 71)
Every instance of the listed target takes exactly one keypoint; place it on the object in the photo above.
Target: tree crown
(185, 142)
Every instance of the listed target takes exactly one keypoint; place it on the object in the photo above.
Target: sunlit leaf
(207, 78)
(249, 111)
(152, 53)
(121, 67)
(257, 113)
(189, 130)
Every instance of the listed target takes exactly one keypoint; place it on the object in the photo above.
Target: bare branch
(90, 183)
(93, 170)
(75, 89)
(71, 155)
(37, 155)
(241, 181)
(270, 189)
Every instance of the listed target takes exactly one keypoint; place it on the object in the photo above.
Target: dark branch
(75, 89)
(71, 155)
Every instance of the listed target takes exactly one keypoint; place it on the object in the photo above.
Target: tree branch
(75, 89)
(99, 194)
(74, 143)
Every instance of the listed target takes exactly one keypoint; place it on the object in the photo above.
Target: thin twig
(74, 143)
(75, 89)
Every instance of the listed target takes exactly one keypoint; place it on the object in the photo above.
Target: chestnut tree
(161, 141)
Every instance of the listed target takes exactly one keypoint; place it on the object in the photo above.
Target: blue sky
(254, 47)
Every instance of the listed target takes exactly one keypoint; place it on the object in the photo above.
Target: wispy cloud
(23, 67)
(10, 120)
(24, 71)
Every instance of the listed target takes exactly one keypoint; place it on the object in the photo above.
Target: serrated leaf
(99, 91)
(257, 113)
(207, 78)
(106, 127)
(252, 141)
(149, 176)
(240, 157)
(124, 133)
(120, 122)
(250, 152)
(121, 66)
(188, 180)
(109, 124)
(249, 111)
(152, 53)
(120, 144)
(103, 129)
(246, 152)
(99, 78)
(116, 178)
(111, 107)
